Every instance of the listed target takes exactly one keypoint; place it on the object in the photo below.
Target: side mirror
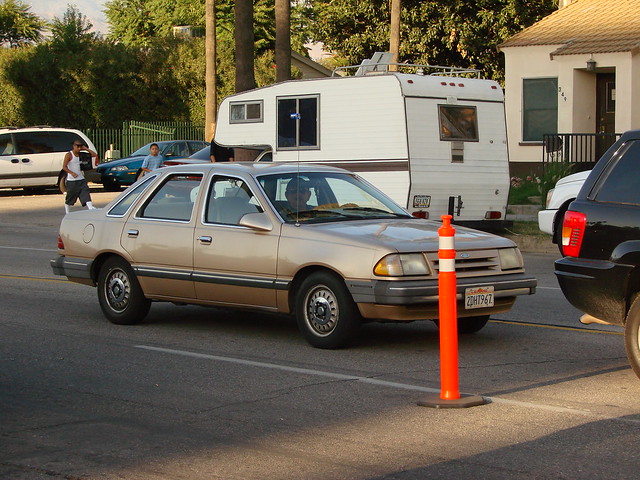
(257, 221)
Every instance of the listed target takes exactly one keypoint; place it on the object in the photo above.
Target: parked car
(201, 156)
(600, 274)
(558, 200)
(204, 156)
(118, 173)
(31, 158)
(238, 235)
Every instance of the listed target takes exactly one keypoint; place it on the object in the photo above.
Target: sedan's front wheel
(326, 314)
(119, 293)
(632, 335)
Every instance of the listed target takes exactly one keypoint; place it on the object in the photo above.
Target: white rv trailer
(435, 143)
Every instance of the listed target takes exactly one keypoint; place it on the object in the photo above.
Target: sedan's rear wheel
(119, 293)
(632, 335)
(326, 314)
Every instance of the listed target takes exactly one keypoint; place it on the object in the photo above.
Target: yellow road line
(556, 327)
(37, 279)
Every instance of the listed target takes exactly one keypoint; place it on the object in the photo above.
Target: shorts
(77, 189)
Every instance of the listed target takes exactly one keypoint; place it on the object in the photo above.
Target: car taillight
(492, 215)
(572, 232)
(60, 243)
(420, 214)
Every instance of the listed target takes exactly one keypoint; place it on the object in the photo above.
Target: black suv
(600, 274)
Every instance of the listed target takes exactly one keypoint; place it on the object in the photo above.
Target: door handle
(132, 233)
(14, 160)
(25, 160)
(206, 239)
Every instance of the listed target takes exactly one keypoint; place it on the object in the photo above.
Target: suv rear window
(620, 182)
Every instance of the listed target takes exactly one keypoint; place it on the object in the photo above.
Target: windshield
(323, 197)
(146, 150)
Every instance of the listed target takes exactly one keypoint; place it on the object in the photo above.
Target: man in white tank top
(77, 188)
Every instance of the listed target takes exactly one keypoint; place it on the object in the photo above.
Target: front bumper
(596, 287)
(415, 300)
(546, 218)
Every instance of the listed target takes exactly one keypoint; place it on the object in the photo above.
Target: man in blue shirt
(153, 160)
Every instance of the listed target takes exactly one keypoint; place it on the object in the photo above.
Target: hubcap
(322, 311)
(118, 290)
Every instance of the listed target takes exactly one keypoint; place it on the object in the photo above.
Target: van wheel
(632, 335)
(119, 293)
(326, 314)
(469, 324)
(62, 183)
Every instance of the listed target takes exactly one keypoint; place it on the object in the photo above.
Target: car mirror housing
(257, 221)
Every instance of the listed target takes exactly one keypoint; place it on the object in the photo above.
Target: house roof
(586, 26)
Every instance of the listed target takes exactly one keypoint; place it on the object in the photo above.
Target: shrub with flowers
(537, 186)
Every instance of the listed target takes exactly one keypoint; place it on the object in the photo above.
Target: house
(563, 77)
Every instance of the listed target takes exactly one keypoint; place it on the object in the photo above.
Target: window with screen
(539, 108)
(245, 112)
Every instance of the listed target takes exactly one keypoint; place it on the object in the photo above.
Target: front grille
(473, 263)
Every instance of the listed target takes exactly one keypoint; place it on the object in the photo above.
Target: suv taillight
(572, 232)
(60, 243)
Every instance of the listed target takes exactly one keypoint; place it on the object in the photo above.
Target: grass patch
(527, 228)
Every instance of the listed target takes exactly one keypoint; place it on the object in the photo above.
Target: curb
(534, 243)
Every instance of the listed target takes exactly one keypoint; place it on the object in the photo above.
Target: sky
(92, 9)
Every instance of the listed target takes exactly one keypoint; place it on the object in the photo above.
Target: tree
(18, 26)
(244, 37)
(458, 33)
(283, 40)
(72, 30)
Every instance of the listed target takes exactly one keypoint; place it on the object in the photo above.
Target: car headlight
(120, 168)
(402, 264)
(510, 258)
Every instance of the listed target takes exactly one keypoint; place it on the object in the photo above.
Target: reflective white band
(447, 265)
(446, 243)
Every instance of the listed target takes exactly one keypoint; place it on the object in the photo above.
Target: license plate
(421, 201)
(478, 297)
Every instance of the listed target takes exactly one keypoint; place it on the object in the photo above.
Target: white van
(434, 141)
(31, 158)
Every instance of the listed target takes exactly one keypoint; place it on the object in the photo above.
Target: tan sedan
(317, 242)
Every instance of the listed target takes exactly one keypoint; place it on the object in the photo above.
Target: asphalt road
(205, 393)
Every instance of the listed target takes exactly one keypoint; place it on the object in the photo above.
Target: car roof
(255, 168)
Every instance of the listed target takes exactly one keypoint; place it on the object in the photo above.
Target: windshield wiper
(375, 210)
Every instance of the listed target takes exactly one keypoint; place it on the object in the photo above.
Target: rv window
(298, 122)
(458, 123)
(243, 112)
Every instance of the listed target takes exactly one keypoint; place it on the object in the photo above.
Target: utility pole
(211, 97)
(394, 40)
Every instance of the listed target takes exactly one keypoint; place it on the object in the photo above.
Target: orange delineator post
(448, 313)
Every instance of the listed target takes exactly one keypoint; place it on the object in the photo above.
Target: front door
(605, 112)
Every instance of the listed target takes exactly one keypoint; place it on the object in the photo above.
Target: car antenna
(296, 116)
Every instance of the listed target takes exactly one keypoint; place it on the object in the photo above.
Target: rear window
(458, 122)
(619, 184)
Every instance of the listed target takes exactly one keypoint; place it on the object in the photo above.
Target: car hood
(121, 161)
(574, 177)
(403, 235)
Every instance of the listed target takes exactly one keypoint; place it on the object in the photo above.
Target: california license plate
(421, 201)
(478, 297)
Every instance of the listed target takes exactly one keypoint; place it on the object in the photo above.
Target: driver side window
(229, 200)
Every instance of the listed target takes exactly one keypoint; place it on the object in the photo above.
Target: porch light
(591, 65)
